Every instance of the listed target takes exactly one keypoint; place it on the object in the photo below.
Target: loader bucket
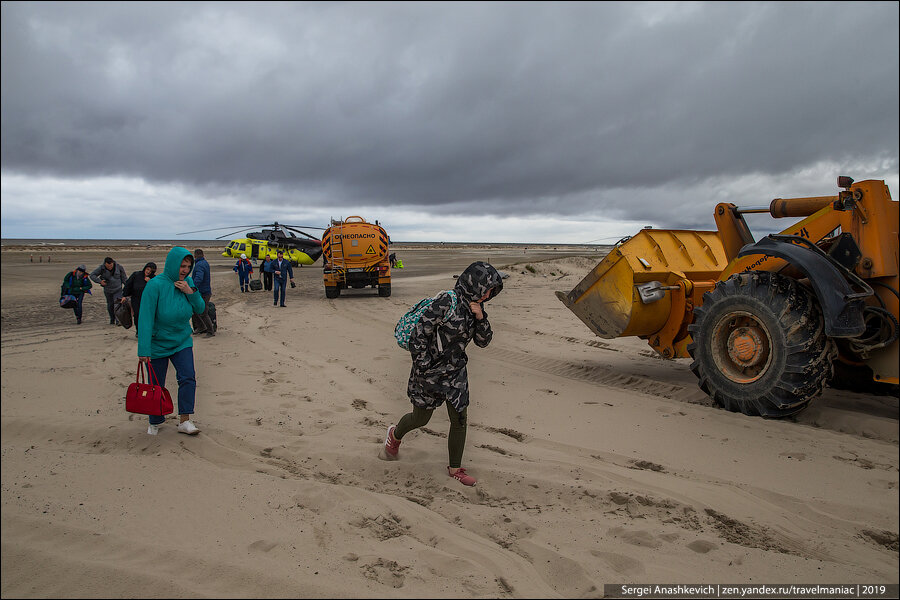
(607, 300)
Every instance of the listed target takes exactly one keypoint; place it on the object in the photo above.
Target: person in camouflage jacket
(438, 350)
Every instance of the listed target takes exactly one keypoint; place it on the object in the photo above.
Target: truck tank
(355, 255)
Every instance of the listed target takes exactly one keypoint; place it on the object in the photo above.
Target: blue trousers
(280, 290)
(245, 281)
(78, 307)
(183, 361)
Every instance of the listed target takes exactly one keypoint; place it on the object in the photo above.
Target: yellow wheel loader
(768, 324)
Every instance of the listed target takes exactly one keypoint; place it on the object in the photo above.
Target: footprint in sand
(386, 572)
(638, 538)
(261, 546)
(702, 546)
(621, 564)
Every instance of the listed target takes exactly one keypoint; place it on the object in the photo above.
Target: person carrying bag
(164, 333)
(75, 285)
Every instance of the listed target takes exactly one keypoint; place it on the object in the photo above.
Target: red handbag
(148, 398)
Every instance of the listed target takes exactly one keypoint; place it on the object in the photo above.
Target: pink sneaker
(461, 476)
(391, 444)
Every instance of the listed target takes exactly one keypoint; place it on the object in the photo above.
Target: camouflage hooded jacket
(438, 372)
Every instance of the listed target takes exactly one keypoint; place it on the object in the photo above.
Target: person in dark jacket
(168, 301)
(111, 276)
(134, 287)
(244, 268)
(203, 281)
(266, 273)
(77, 284)
(438, 350)
(282, 271)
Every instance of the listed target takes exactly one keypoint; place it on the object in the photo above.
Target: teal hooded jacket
(164, 324)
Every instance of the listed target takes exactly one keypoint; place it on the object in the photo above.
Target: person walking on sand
(244, 268)
(203, 281)
(134, 288)
(438, 350)
(266, 273)
(111, 276)
(168, 301)
(76, 283)
(283, 271)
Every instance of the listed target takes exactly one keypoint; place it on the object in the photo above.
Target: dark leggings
(456, 441)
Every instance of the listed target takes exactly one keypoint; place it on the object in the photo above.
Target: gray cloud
(533, 108)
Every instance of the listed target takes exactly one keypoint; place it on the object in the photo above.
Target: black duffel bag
(124, 315)
(211, 311)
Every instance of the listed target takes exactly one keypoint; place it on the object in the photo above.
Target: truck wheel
(384, 290)
(759, 345)
(332, 292)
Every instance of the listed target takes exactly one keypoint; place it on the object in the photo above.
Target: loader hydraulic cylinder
(799, 207)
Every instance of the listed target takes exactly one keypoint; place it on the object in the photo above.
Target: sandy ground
(597, 462)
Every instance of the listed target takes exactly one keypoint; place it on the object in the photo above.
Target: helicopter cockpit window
(243, 247)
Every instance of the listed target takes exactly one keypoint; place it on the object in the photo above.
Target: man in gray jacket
(112, 277)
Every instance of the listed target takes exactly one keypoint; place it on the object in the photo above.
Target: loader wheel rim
(741, 347)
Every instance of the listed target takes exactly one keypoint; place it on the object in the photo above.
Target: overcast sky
(531, 122)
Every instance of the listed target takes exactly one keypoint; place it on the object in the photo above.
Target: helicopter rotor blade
(276, 226)
(220, 228)
(312, 237)
(304, 227)
(227, 235)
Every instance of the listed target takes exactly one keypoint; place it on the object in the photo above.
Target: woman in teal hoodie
(164, 332)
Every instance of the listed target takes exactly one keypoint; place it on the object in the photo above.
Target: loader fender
(841, 306)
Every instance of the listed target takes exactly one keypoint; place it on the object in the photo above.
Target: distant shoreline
(70, 244)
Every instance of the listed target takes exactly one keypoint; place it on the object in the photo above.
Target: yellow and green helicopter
(257, 245)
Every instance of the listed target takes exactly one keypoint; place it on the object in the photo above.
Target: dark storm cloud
(516, 107)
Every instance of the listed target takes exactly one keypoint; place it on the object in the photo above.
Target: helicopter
(272, 238)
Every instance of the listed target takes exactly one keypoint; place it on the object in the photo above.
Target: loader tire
(332, 292)
(759, 345)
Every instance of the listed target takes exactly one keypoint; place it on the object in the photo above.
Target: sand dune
(597, 461)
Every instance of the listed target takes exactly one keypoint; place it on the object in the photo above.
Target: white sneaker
(188, 428)
(153, 430)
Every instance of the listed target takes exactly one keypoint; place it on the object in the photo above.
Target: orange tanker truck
(355, 255)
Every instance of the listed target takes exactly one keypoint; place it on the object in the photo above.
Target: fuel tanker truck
(766, 323)
(355, 255)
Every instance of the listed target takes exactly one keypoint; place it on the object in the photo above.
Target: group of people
(275, 273)
(162, 305)
(117, 287)
(437, 344)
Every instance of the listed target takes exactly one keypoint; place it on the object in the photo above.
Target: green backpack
(407, 323)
